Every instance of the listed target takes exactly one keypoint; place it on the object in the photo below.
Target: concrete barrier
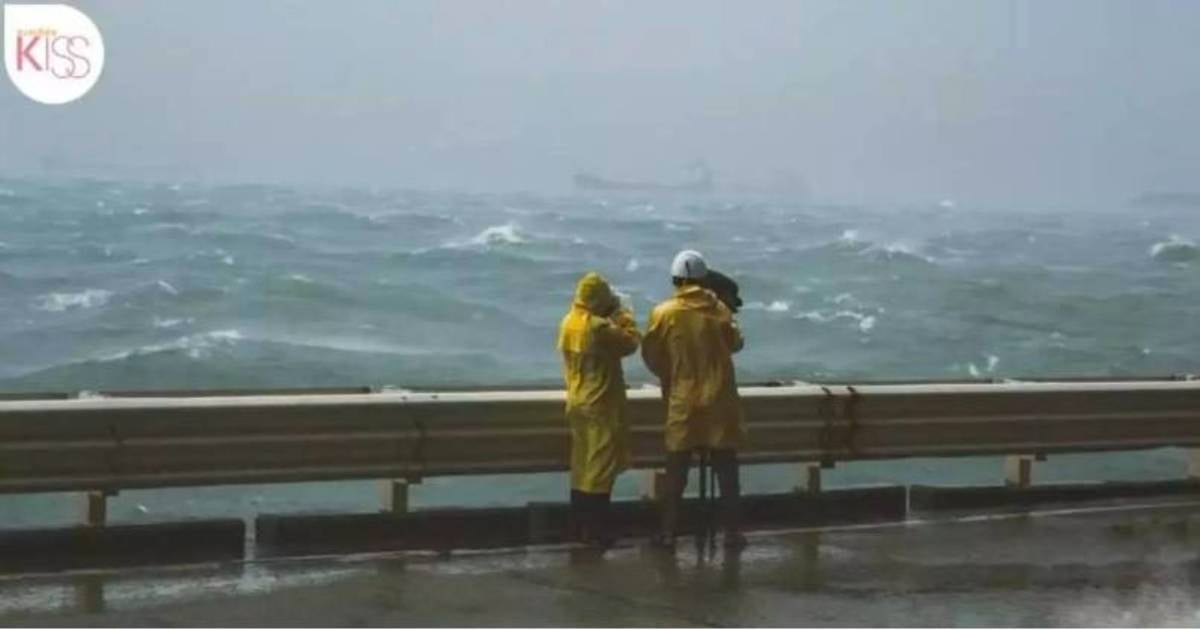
(536, 523)
(83, 547)
(991, 497)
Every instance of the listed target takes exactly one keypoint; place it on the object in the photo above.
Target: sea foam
(58, 302)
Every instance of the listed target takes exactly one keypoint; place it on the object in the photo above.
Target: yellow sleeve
(653, 346)
(736, 339)
(620, 334)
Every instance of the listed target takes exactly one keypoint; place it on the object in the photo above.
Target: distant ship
(1167, 200)
(702, 182)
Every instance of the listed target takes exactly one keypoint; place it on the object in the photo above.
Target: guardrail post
(89, 594)
(653, 484)
(95, 507)
(1193, 472)
(811, 477)
(394, 493)
(1018, 471)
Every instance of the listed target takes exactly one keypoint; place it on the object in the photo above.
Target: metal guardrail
(114, 443)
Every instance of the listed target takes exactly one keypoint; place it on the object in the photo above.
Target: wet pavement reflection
(1109, 564)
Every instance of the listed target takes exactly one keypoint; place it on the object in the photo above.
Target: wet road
(1098, 565)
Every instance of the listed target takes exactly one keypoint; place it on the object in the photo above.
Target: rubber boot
(577, 518)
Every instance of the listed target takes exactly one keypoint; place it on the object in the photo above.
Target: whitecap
(301, 278)
(172, 322)
(862, 321)
(777, 306)
(506, 234)
(1174, 249)
(166, 286)
(897, 250)
(632, 265)
(58, 302)
(167, 227)
(140, 211)
(196, 346)
(228, 260)
(676, 227)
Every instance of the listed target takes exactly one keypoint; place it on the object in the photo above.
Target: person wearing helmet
(593, 337)
(689, 344)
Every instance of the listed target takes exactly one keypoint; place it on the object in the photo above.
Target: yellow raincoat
(689, 345)
(592, 346)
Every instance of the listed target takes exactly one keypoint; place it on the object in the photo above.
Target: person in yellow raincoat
(689, 344)
(593, 337)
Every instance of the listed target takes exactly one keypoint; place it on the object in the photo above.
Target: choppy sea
(116, 286)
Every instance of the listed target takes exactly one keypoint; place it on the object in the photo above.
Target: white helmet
(689, 264)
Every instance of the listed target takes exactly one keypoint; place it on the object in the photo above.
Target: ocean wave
(776, 306)
(851, 241)
(865, 322)
(414, 220)
(897, 251)
(172, 322)
(165, 227)
(507, 234)
(195, 346)
(493, 235)
(1174, 249)
(59, 302)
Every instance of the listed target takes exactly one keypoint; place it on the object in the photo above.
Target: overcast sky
(877, 101)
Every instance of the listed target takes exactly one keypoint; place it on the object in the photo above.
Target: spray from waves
(1164, 598)
(1174, 249)
(987, 369)
(59, 302)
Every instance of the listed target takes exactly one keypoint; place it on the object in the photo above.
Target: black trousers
(589, 517)
(725, 465)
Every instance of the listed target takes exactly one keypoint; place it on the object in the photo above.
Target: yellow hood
(594, 294)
